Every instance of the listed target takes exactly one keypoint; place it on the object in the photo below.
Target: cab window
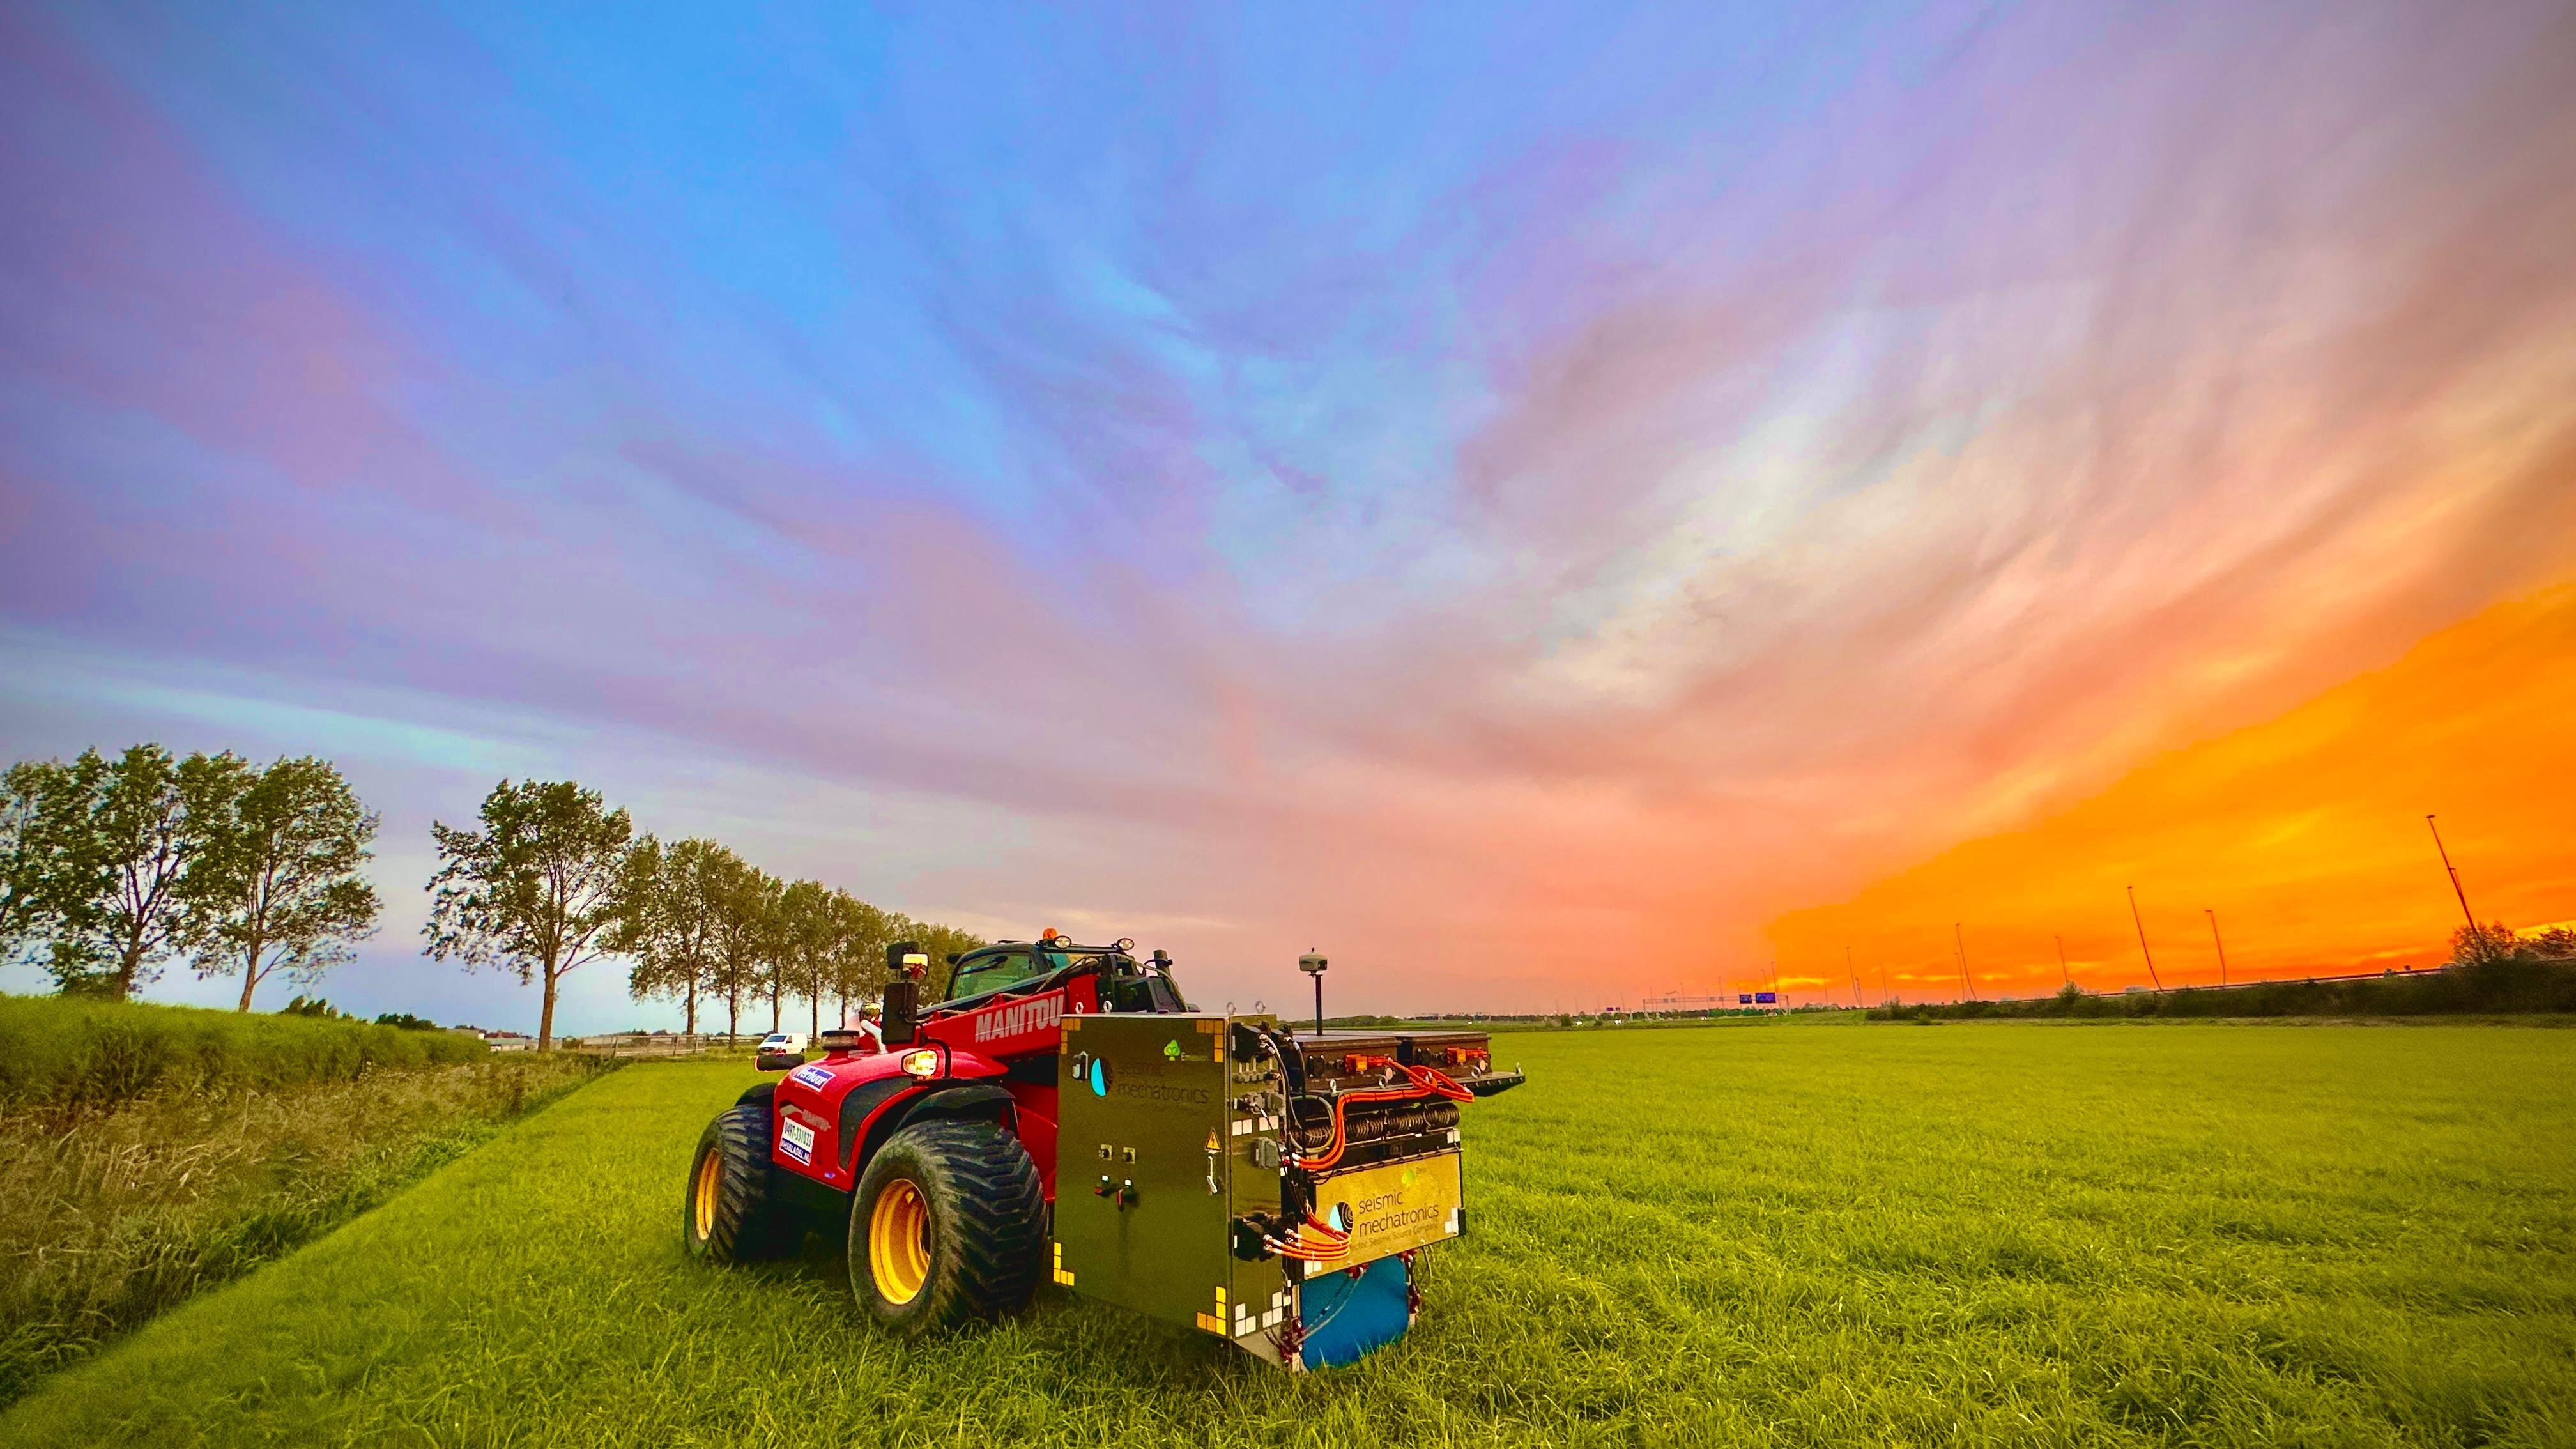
(992, 970)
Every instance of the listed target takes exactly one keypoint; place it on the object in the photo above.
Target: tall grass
(68, 1052)
(108, 1217)
(2514, 986)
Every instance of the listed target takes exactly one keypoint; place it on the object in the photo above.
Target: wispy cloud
(1509, 495)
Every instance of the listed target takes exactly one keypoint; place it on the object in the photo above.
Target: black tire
(977, 1224)
(730, 1212)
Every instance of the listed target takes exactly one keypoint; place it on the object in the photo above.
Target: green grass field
(1790, 1233)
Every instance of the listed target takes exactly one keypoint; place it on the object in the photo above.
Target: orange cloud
(2305, 835)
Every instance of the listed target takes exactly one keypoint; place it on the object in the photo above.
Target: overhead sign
(1766, 998)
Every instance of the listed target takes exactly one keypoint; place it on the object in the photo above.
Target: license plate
(1393, 1208)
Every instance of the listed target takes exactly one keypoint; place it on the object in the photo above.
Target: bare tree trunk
(693, 1006)
(546, 1019)
(773, 1008)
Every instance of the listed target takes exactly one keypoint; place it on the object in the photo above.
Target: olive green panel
(1146, 1166)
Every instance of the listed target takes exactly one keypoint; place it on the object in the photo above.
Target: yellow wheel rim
(702, 1197)
(899, 1242)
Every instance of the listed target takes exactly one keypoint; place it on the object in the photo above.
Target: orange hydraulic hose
(1426, 1082)
(1334, 1244)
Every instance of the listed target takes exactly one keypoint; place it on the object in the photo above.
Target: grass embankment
(111, 1215)
(2492, 988)
(2189, 1236)
(66, 1052)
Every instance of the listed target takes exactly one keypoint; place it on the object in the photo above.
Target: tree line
(554, 879)
(110, 867)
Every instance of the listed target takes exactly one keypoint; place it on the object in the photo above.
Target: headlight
(921, 1063)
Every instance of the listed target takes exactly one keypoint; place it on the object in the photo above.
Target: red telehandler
(1062, 1115)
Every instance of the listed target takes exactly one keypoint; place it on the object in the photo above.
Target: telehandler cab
(1062, 1115)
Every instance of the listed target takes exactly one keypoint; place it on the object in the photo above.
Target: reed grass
(109, 1216)
(75, 1052)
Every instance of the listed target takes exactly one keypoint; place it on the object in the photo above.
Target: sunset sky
(2299, 843)
(1543, 506)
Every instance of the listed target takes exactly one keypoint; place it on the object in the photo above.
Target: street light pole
(2222, 943)
(2061, 960)
(2142, 939)
(1964, 978)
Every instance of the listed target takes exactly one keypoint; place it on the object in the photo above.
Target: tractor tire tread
(751, 1225)
(985, 1195)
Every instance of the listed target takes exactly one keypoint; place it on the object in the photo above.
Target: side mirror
(904, 966)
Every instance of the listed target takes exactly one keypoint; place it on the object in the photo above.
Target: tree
(50, 880)
(855, 961)
(131, 828)
(739, 897)
(276, 881)
(667, 919)
(22, 877)
(810, 921)
(939, 943)
(2558, 943)
(769, 940)
(2494, 941)
(534, 890)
